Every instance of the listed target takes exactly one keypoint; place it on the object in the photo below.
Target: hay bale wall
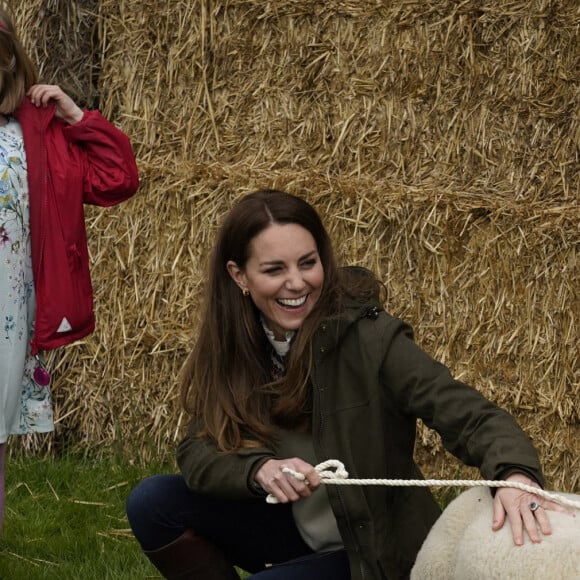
(61, 37)
(438, 139)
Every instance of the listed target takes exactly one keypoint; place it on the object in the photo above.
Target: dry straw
(438, 139)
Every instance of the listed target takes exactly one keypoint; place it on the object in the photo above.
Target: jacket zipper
(338, 491)
(43, 208)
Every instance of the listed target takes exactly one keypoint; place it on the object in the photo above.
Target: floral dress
(25, 406)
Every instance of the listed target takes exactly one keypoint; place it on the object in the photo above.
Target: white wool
(462, 546)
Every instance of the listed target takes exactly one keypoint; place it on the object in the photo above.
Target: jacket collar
(331, 331)
(33, 115)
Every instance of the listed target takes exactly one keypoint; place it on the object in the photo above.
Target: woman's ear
(237, 275)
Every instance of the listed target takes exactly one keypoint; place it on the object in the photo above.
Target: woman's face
(283, 274)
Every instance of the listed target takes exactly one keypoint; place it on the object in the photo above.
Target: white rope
(339, 476)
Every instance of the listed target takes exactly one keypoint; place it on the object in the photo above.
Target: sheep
(462, 546)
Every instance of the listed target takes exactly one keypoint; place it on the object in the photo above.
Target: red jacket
(68, 165)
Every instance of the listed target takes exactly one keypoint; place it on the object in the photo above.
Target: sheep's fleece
(462, 546)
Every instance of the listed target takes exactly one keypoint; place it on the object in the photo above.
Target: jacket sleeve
(474, 429)
(109, 167)
(224, 475)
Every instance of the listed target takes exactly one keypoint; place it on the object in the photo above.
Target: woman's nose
(295, 281)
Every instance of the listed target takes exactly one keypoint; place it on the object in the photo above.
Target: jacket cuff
(253, 485)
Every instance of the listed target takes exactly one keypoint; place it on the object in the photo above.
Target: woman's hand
(517, 505)
(66, 108)
(286, 487)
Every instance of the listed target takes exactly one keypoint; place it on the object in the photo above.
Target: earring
(245, 292)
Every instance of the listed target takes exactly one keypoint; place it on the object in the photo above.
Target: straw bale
(480, 93)
(439, 140)
(60, 38)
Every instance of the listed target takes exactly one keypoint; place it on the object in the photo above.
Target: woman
(53, 158)
(296, 363)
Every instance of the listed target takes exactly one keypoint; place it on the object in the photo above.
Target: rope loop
(339, 471)
(333, 472)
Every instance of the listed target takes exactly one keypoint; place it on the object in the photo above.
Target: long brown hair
(17, 71)
(226, 385)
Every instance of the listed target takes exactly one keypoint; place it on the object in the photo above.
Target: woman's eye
(309, 263)
(274, 270)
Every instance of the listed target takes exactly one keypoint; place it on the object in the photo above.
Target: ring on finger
(534, 506)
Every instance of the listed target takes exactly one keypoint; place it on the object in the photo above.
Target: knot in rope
(339, 476)
(322, 469)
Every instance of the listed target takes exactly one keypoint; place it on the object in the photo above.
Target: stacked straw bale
(438, 139)
(61, 37)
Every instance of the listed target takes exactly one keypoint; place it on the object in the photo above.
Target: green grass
(65, 519)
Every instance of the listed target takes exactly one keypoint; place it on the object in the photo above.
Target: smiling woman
(297, 362)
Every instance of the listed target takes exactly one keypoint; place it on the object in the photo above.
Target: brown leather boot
(191, 557)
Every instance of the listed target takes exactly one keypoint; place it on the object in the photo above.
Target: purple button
(41, 376)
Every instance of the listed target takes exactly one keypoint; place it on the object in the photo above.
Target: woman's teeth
(292, 302)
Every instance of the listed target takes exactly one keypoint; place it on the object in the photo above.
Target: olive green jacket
(370, 383)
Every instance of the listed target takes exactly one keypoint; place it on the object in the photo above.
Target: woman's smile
(293, 302)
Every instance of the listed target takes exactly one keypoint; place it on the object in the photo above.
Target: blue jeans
(255, 536)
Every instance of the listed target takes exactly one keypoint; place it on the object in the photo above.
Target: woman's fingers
(542, 520)
(285, 486)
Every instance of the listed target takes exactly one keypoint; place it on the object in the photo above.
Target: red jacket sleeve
(109, 167)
